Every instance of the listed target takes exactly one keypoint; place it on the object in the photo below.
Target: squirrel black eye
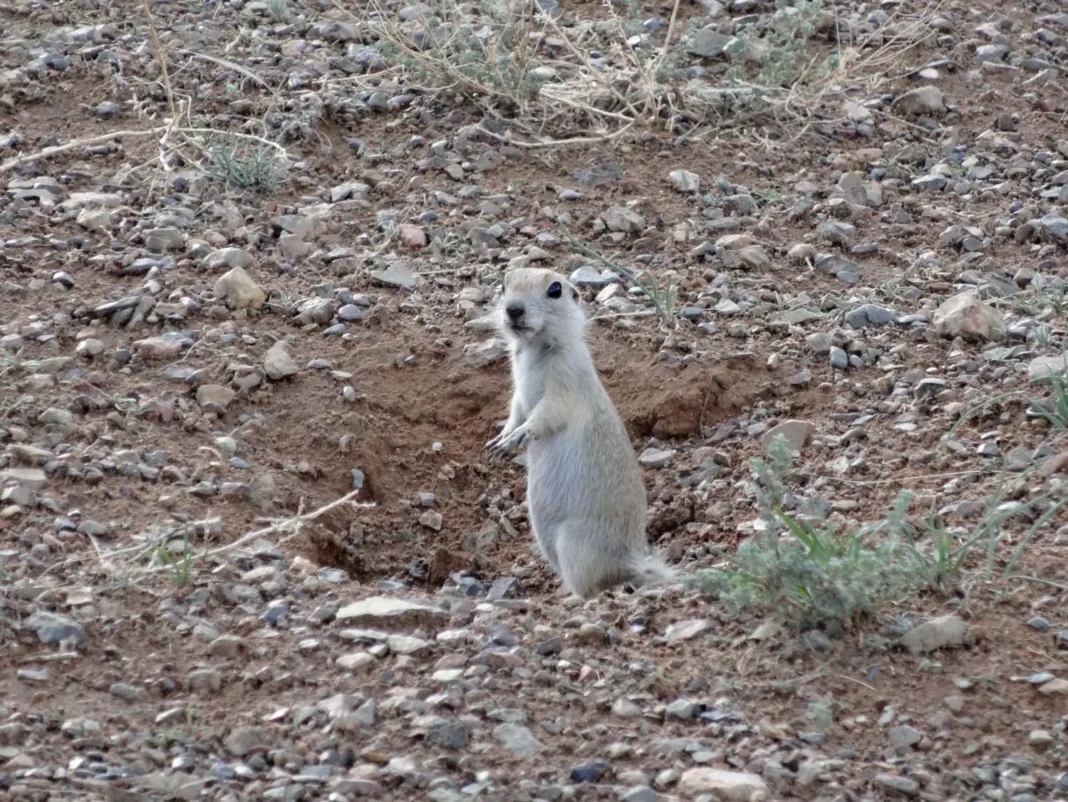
(554, 290)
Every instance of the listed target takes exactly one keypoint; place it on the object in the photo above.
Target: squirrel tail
(649, 568)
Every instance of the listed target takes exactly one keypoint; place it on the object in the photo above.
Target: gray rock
(902, 786)
(930, 183)
(447, 735)
(227, 258)
(708, 43)
(904, 737)
(1041, 369)
(925, 101)
(839, 358)
(314, 311)
(517, 739)
(870, 315)
(991, 53)
(656, 458)
(687, 630)
(681, 709)
(214, 397)
(685, 182)
(396, 275)
(478, 355)
(55, 629)
(61, 420)
(160, 240)
(945, 632)
(967, 317)
(795, 432)
(623, 220)
(241, 741)
(586, 276)
(725, 786)
(1054, 226)
(31, 478)
(237, 290)
(277, 362)
(387, 611)
(349, 313)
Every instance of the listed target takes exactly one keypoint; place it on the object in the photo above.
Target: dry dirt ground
(273, 295)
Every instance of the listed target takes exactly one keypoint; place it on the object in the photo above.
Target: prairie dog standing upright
(584, 487)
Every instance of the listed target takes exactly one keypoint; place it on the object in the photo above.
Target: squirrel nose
(515, 311)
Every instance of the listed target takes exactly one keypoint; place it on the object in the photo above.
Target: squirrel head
(540, 306)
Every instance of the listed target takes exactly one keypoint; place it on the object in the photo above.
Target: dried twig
(280, 525)
(158, 48)
(28, 158)
(553, 143)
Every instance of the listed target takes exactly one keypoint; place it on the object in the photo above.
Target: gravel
(195, 351)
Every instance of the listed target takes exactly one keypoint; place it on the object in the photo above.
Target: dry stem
(281, 525)
(27, 158)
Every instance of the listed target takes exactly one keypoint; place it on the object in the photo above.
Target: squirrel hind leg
(586, 571)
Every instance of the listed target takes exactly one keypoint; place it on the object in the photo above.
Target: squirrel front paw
(506, 442)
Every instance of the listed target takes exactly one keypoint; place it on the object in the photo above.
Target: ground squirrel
(585, 492)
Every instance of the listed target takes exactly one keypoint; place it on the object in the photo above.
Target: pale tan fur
(584, 486)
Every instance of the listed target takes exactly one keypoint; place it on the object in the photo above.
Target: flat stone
(796, 433)
(870, 315)
(726, 786)
(55, 629)
(517, 739)
(214, 397)
(1055, 226)
(1058, 463)
(242, 741)
(684, 181)
(905, 736)
(967, 317)
(356, 661)
(31, 478)
(278, 363)
(623, 220)
(708, 43)
(687, 630)
(159, 240)
(902, 786)
(396, 275)
(945, 632)
(794, 317)
(479, 355)
(390, 611)
(1057, 686)
(1041, 369)
(925, 101)
(406, 644)
(656, 458)
(61, 419)
(227, 258)
(586, 276)
(237, 290)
